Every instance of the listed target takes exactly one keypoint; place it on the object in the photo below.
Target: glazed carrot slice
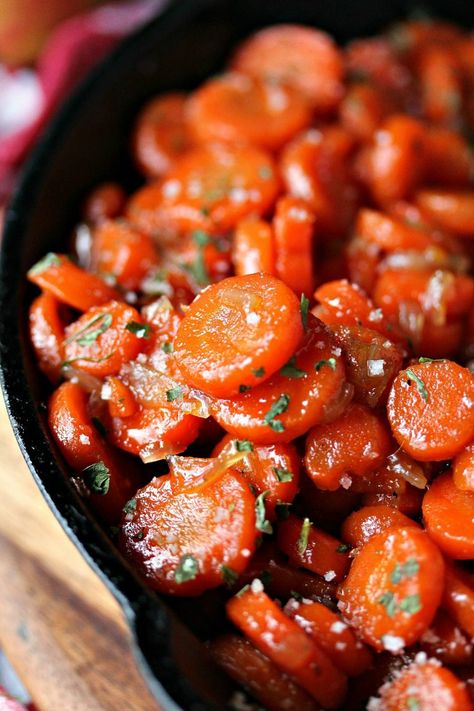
(160, 136)
(430, 409)
(120, 399)
(306, 391)
(393, 588)
(312, 548)
(110, 479)
(262, 329)
(448, 157)
(458, 598)
(287, 645)
(408, 502)
(331, 634)
(298, 56)
(447, 642)
(236, 108)
(453, 210)
(257, 673)
(105, 202)
(421, 686)
(273, 470)
(71, 285)
(210, 188)
(47, 334)
(362, 110)
(390, 234)
(360, 526)
(122, 252)
(185, 543)
(253, 249)
(104, 338)
(356, 443)
(448, 514)
(294, 227)
(463, 469)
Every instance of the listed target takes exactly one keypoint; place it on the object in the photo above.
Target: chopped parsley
(343, 548)
(388, 601)
(243, 445)
(130, 506)
(167, 347)
(67, 363)
(259, 372)
(200, 238)
(174, 393)
(411, 604)
(49, 260)
(296, 595)
(229, 576)
(97, 478)
(265, 172)
(404, 570)
(413, 703)
(290, 369)
(261, 522)
(140, 330)
(283, 475)
(242, 591)
(304, 307)
(244, 388)
(278, 408)
(187, 569)
(84, 337)
(302, 542)
(420, 385)
(198, 269)
(330, 363)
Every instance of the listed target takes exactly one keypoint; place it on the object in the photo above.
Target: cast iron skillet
(87, 143)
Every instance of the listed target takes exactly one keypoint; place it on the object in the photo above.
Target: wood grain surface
(60, 627)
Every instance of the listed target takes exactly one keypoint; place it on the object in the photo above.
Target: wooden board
(60, 627)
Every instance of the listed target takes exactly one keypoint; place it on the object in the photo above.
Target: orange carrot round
(47, 334)
(458, 598)
(453, 210)
(463, 469)
(360, 526)
(294, 226)
(253, 249)
(448, 514)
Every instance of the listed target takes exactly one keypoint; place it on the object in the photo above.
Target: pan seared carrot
(448, 514)
(360, 526)
(463, 469)
(453, 210)
(253, 249)
(47, 334)
(294, 227)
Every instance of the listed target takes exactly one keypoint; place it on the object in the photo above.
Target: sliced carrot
(408, 502)
(71, 285)
(362, 110)
(448, 514)
(105, 202)
(209, 188)
(160, 135)
(236, 108)
(422, 686)
(449, 158)
(47, 334)
(447, 642)
(186, 543)
(360, 526)
(312, 548)
(306, 391)
(124, 253)
(285, 643)
(298, 56)
(120, 399)
(294, 228)
(354, 444)
(253, 249)
(430, 409)
(104, 338)
(463, 469)
(273, 470)
(263, 328)
(200, 258)
(453, 210)
(458, 599)
(257, 673)
(110, 479)
(332, 635)
(390, 234)
(439, 76)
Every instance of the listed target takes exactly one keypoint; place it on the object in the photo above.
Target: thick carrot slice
(453, 210)
(463, 469)
(47, 334)
(120, 399)
(430, 409)
(186, 543)
(235, 108)
(210, 188)
(294, 227)
(458, 598)
(393, 588)
(362, 110)
(448, 513)
(257, 673)
(253, 249)
(312, 548)
(109, 478)
(306, 391)
(360, 526)
(332, 635)
(105, 202)
(71, 285)
(262, 329)
(297, 56)
(390, 234)
(273, 470)
(447, 642)
(161, 135)
(104, 338)
(356, 443)
(287, 645)
(122, 252)
(423, 686)
(348, 304)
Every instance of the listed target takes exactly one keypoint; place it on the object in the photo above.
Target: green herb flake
(167, 347)
(296, 595)
(278, 408)
(290, 369)
(343, 548)
(231, 507)
(266, 578)
(140, 535)
(265, 172)
(85, 337)
(200, 238)
(420, 385)
(283, 475)
(187, 569)
(99, 425)
(174, 393)
(140, 330)
(302, 542)
(49, 260)
(404, 570)
(229, 576)
(242, 591)
(261, 522)
(259, 372)
(388, 601)
(67, 363)
(244, 388)
(411, 604)
(243, 445)
(304, 308)
(330, 363)
(282, 510)
(413, 703)
(97, 478)
(130, 507)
